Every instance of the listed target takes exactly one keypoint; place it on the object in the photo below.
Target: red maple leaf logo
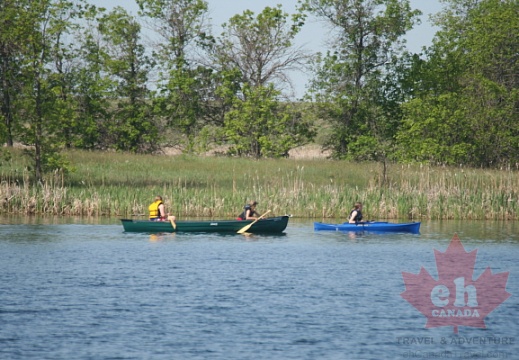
(455, 299)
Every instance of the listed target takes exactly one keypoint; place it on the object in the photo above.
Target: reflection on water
(157, 237)
(56, 220)
(468, 229)
(472, 230)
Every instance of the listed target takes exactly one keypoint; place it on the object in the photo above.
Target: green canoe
(273, 225)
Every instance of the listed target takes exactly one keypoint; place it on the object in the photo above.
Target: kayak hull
(380, 227)
(274, 225)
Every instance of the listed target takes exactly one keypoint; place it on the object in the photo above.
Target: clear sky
(314, 34)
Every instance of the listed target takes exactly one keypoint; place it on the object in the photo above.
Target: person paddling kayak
(356, 214)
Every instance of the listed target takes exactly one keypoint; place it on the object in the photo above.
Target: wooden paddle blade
(172, 221)
(247, 227)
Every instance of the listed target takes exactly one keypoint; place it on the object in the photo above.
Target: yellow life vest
(154, 209)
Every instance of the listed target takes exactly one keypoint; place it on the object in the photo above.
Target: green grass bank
(117, 184)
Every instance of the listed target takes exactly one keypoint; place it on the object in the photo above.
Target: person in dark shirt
(249, 211)
(356, 214)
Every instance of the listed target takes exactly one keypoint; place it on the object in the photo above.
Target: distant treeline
(74, 76)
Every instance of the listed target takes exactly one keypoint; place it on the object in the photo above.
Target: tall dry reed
(114, 184)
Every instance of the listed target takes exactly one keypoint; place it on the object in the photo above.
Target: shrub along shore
(119, 184)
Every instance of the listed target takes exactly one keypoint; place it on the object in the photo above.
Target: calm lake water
(84, 289)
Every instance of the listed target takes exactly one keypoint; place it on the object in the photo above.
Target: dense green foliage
(74, 76)
(464, 107)
(349, 89)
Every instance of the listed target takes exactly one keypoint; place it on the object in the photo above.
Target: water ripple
(72, 291)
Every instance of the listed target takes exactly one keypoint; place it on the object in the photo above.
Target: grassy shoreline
(117, 184)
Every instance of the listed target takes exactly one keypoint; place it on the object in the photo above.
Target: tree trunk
(6, 96)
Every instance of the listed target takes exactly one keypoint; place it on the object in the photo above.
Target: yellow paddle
(172, 220)
(247, 227)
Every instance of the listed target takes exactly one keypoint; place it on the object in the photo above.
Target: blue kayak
(372, 226)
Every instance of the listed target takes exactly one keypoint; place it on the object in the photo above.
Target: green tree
(132, 127)
(465, 109)
(184, 83)
(92, 87)
(261, 47)
(41, 104)
(255, 54)
(15, 27)
(64, 56)
(259, 126)
(348, 79)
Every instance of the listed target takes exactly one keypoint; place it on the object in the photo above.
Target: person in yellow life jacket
(157, 210)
